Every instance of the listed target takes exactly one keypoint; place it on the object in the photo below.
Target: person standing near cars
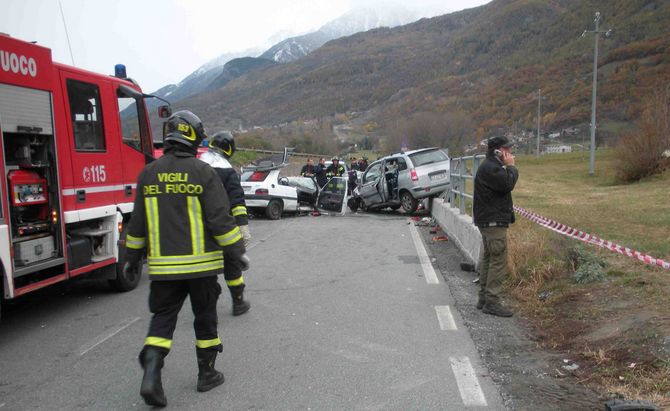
(308, 169)
(221, 149)
(181, 217)
(493, 213)
(335, 169)
(320, 173)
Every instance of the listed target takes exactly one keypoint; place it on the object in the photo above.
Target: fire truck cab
(72, 145)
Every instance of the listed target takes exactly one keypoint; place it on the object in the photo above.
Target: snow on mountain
(357, 20)
(199, 80)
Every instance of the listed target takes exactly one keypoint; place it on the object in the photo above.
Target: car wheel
(409, 203)
(274, 209)
(125, 280)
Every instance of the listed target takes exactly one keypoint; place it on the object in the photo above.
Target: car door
(333, 196)
(371, 189)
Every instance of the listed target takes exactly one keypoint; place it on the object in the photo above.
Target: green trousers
(492, 264)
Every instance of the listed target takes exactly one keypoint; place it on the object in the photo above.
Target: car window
(302, 182)
(428, 157)
(373, 174)
(254, 175)
(402, 164)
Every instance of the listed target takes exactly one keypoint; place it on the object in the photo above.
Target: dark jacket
(307, 170)
(320, 174)
(231, 182)
(493, 193)
(181, 216)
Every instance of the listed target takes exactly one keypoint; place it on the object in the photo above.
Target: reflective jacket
(231, 182)
(335, 171)
(492, 200)
(181, 217)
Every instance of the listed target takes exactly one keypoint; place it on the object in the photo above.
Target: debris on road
(440, 238)
(571, 366)
(423, 222)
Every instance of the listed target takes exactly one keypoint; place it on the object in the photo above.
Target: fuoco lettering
(18, 64)
(183, 189)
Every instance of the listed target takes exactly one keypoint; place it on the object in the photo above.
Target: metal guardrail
(462, 169)
(292, 154)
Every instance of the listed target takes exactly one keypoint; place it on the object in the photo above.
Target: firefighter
(335, 169)
(181, 217)
(221, 149)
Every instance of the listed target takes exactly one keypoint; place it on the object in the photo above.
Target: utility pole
(539, 99)
(592, 155)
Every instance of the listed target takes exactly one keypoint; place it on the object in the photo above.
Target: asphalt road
(347, 313)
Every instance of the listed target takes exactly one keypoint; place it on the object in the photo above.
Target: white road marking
(468, 385)
(110, 335)
(445, 318)
(426, 265)
(2, 405)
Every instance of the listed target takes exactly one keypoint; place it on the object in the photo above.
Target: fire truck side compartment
(78, 252)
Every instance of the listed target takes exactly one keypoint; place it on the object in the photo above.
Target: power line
(67, 35)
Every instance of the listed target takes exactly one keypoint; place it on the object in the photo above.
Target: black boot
(208, 377)
(239, 305)
(497, 309)
(151, 359)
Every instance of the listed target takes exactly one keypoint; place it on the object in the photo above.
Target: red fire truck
(73, 144)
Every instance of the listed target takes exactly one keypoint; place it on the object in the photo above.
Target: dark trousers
(165, 301)
(493, 263)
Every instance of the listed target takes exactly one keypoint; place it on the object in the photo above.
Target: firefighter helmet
(223, 143)
(186, 128)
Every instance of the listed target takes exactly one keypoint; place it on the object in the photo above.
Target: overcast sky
(163, 41)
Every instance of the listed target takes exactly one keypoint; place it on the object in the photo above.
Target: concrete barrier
(458, 227)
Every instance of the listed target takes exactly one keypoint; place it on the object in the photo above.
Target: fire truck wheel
(125, 280)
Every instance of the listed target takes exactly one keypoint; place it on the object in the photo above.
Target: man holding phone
(493, 213)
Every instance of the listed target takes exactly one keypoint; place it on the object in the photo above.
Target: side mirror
(164, 111)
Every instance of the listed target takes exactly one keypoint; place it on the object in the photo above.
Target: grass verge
(617, 329)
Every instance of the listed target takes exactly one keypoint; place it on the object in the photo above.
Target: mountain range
(218, 72)
(485, 63)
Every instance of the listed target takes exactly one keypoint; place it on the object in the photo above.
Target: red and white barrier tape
(590, 239)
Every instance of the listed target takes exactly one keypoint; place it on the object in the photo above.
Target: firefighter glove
(244, 262)
(246, 235)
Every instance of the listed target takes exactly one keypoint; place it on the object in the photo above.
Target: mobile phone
(498, 153)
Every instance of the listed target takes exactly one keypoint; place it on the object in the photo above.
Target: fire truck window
(130, 124)
(86, 116)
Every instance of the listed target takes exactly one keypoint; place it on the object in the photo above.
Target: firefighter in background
(335, 169)
(221, 149)
(181, 217)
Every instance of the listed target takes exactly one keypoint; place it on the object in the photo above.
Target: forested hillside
(481, 67)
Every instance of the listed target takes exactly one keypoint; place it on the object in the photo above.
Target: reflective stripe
(236, 282)
(186, 269)
(151, 205)
(197, 228)
(135, 243)
(158, 342)
(186, 259)
(229, 238)
(239, 210)
(208, 343)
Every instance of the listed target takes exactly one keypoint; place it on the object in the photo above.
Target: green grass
(560, 188)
